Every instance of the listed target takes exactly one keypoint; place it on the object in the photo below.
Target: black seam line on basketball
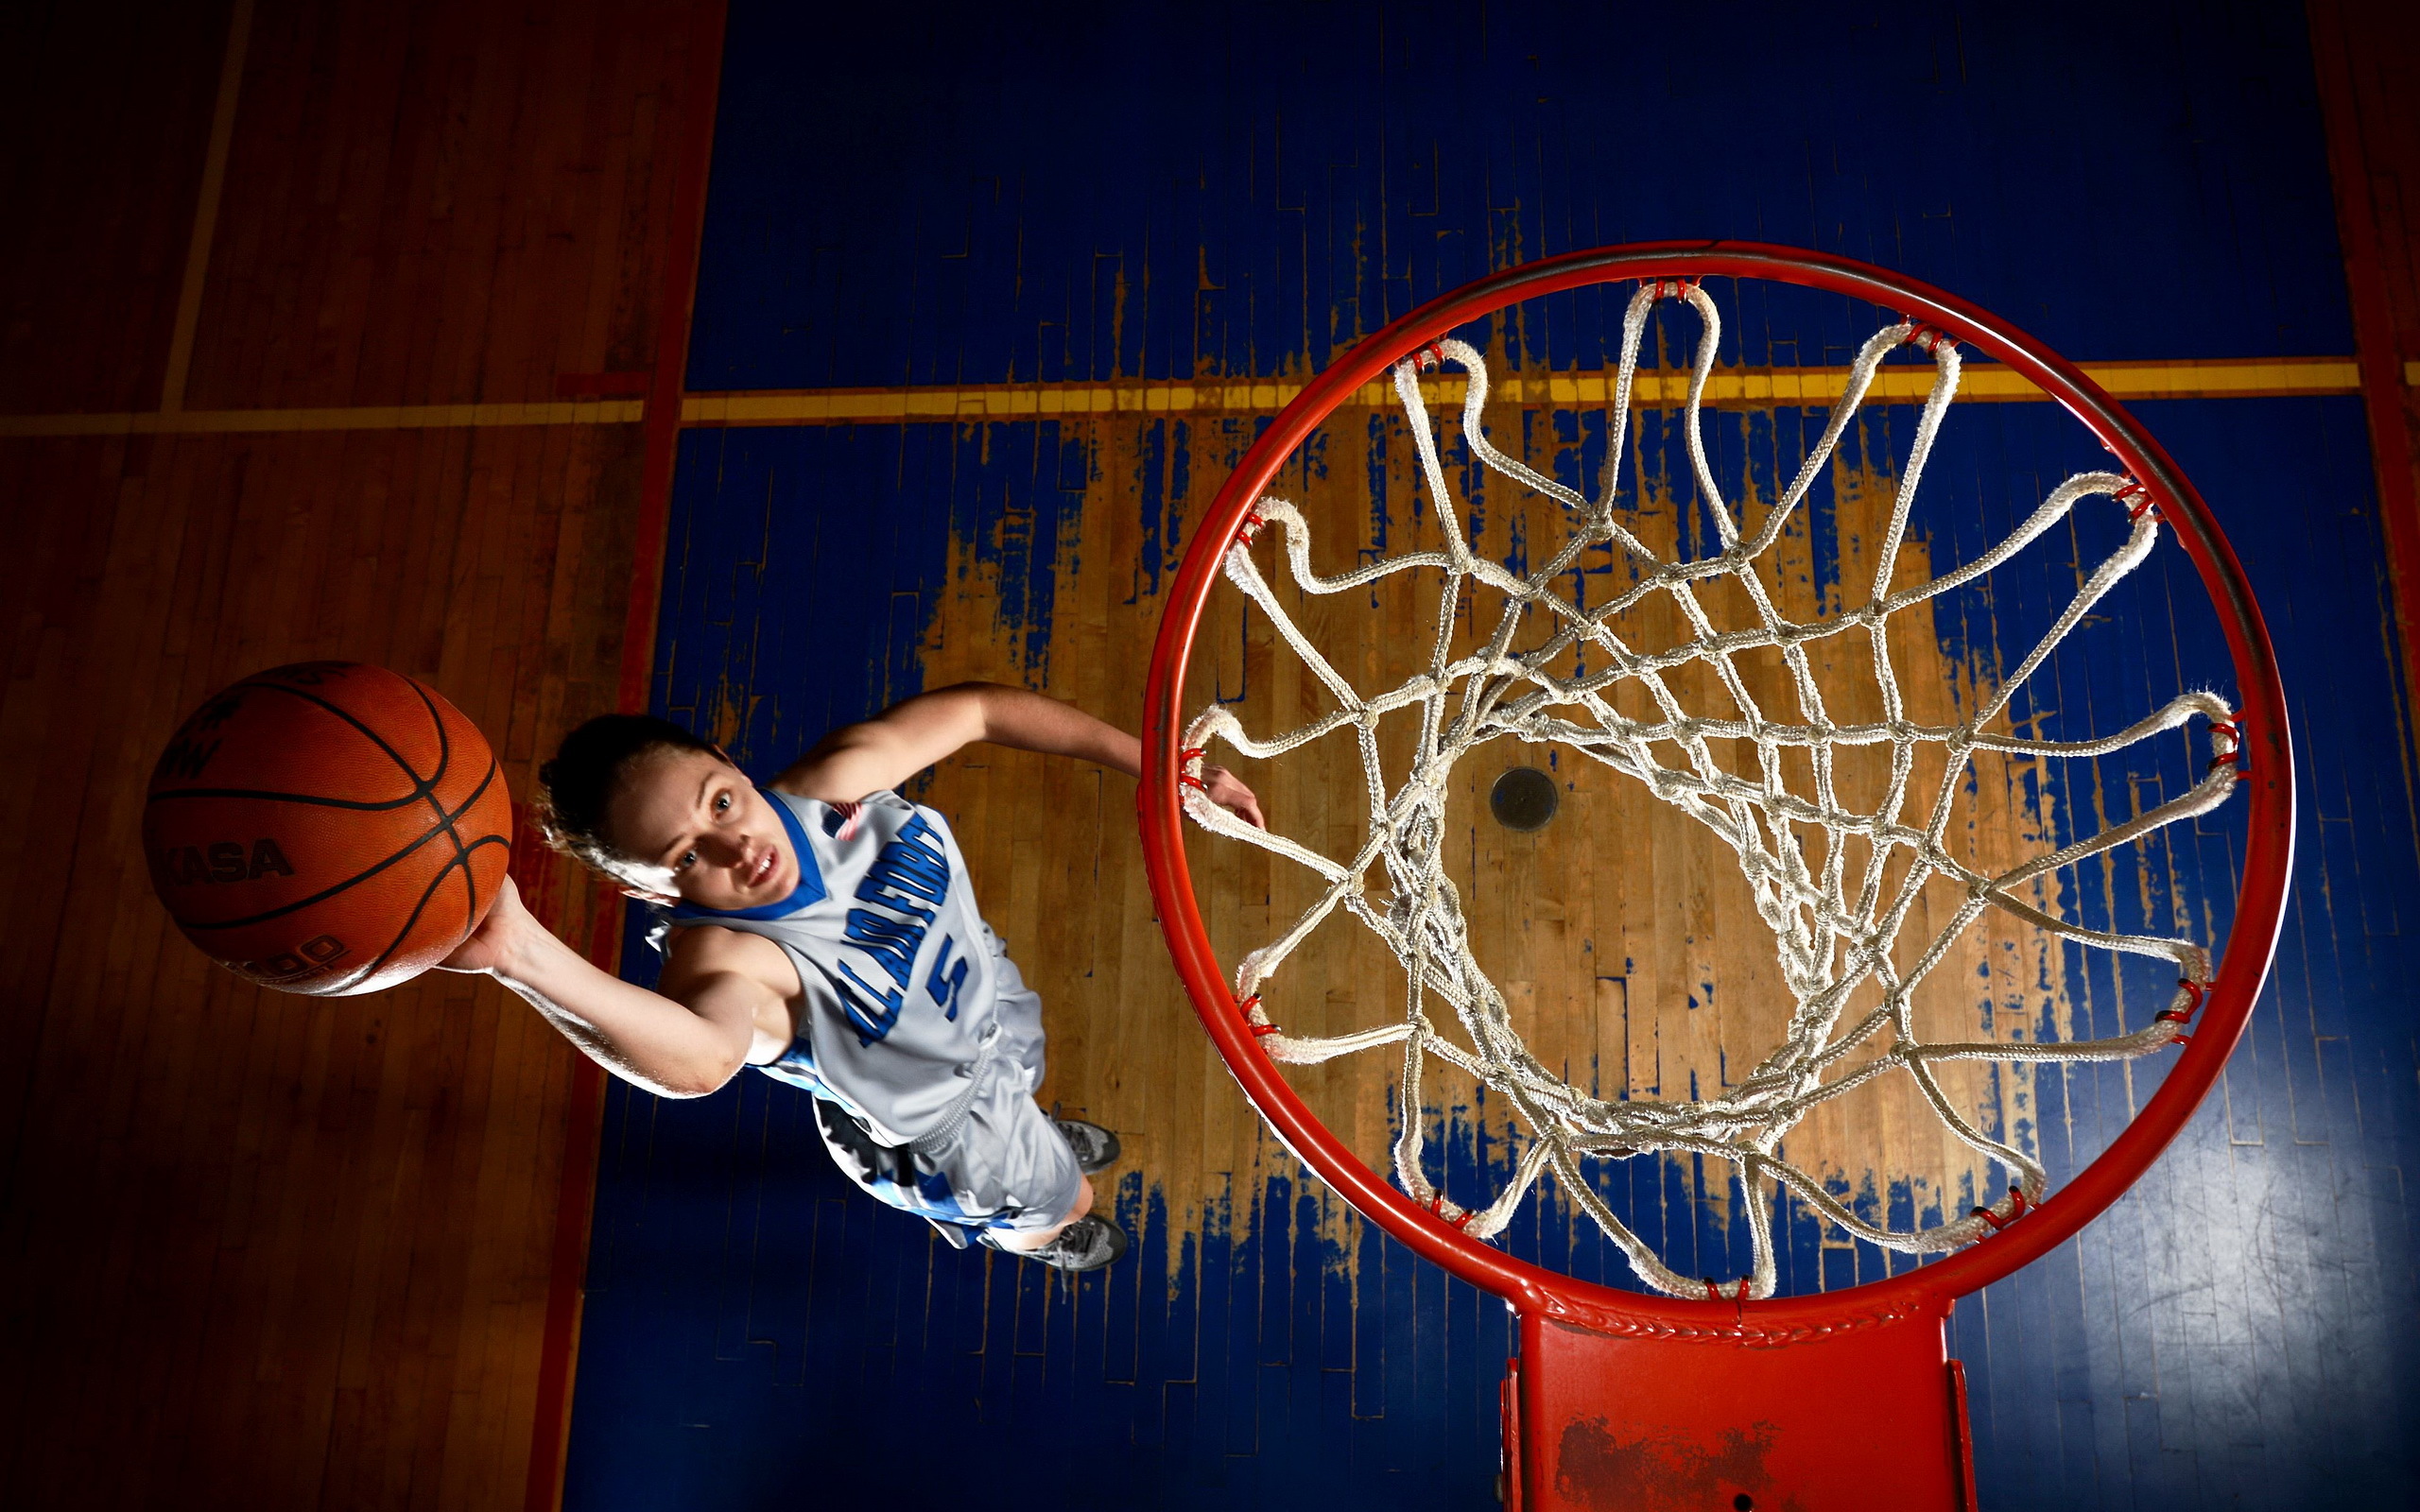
(444, 755)
(372, 736)
(419, 909)
(363, 973)
(434, 831)
(462, 852)
(452, 831)
(461, 860)
(387, 805)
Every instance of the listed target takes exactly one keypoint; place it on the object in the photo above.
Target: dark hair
(587, 768)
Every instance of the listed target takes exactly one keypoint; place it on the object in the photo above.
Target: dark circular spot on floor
(1523, 798)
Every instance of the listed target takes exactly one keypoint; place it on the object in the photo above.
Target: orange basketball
(327, 828)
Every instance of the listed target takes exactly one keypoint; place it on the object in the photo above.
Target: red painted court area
(759, 370)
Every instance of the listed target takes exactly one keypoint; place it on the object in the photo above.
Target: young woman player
(823, 930)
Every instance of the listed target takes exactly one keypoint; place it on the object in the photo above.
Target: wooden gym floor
(308, 309)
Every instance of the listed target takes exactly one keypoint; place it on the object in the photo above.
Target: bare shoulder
(812, 775)
(892, 747)
(807, 778)
(703, 953)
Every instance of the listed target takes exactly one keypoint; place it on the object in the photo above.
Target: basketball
(328, 828)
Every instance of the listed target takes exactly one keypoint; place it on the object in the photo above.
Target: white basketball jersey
(898, 970)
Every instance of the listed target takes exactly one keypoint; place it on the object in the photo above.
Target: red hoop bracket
(2144, 503)
(1927, 336)
(1436, 1206)
(2199, 993)
(1923, 1291)
(1243, 1011)
(2018, 1208)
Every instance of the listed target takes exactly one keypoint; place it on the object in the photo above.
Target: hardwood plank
(316, 1238)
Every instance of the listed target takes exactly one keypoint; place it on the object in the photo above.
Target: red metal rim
(2260, 905)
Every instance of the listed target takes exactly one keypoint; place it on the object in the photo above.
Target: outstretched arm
(909, 736)
(674, 1048)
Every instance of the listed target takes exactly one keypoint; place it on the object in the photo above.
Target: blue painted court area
(973, 196)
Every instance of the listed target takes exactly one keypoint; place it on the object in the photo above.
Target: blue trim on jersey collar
(808, 892)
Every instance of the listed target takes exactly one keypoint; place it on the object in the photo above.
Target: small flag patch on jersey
(842, 819)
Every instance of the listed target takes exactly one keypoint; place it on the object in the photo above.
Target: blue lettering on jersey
(911, 871)
(891, 942)
(947, 980)
(912, 866)
(871, 1022)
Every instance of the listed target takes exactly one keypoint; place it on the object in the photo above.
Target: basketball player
(822, 929)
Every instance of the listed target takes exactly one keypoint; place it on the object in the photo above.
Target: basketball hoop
(1835, 926)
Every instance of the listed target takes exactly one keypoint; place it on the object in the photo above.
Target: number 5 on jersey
(947, 979)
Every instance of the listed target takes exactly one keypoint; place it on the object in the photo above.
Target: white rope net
(1836, 916)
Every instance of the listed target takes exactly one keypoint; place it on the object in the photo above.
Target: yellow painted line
(366, 417)
(1755, 388)
(2219, 379)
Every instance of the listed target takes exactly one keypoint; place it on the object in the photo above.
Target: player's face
(692, 826)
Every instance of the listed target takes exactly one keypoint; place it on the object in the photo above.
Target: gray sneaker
(1088, 1244)
(1095, 1147)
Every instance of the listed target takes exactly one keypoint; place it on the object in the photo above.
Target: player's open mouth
(763, 868)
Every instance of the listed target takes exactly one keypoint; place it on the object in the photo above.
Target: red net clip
(2141, 496)
(1252, 527)
(1714, 1289)
(1672, 288)
(1427, 355)
(1927, 336)
(2198, 991)
(1259, 1030)
(2018, 1208)
(2233, 733)
(1437, 1206)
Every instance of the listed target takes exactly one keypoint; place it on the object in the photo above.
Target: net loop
(1925, 336)
(2191, 993)
(1459, 1217)
(2017, 1207)
(1836, 926)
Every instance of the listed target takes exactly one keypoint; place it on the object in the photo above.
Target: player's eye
(686, 858)
(722, 803)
